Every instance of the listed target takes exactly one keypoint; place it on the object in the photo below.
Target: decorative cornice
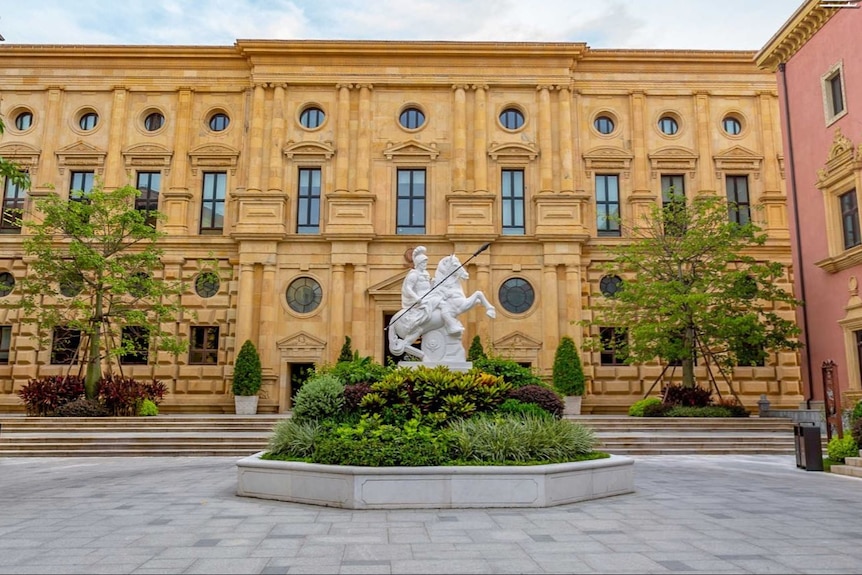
(796, 32)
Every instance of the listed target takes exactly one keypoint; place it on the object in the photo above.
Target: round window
(668, 126)
(312, 118)
(23, 121)
(610, 286)
(731, 125)
(88, 121)
(7, 283)
(219, 122)
(72, 284)
(604, 124)
(304, 295)
(411, 118)
(154, 122)
(207, 284)
(516, 295)
(512, 119)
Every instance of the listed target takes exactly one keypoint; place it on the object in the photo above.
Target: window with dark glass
(7, 283)
(610, 285)
(614, 341)
(608, 205)
(23, 121)
(64, 345)
(512, 119)
(213, 197)
(5, 342)
(668, 125)
(410, 217)
(673, 203)
(516, 295)
(80, 185)
(312, 118)
(604, 125)
(154, 122)
(12, 209)
(731, 125)
(149, 184)
(207, 284)
(304, 295)
(308, 201)
(71, 283)
(88, 121)
(411, 118)
(738, 200)
(139, 284)
(203, 349)
(513, 202)
(219, 122)
(836, 94)
(138, 337)
(849, 219)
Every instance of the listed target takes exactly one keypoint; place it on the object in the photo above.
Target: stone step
(848, 470)
(853, 461)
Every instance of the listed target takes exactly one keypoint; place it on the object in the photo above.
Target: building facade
(296, 176)
(816, 62)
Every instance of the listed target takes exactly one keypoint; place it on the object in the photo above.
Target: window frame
(412, 115)
(312, 117)
(88, 181)
(734, 214)
(513, 202)
(609, 356)
(512, 119)
(830, 95)
(214, 202)
(308, 200)
(613, 227)
(61, 333)
(849, 213)
(407, 198)
(149, 201)
(19, 119)
(5, 343)
(203, 354)
(14, 203)
(138, 334)
(603, 122)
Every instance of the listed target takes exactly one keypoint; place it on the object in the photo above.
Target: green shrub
(541, 395)
(320, 397)
(247, 372)
(510, 370)
(519, 439)
(691, 411)
(122, 396)
(476, 350)
(346, 353)
(356, 370)
(353, 395)
(148, 408)
(293, 438)
(856, 430)
(567, 372)
(81, 407)
(857, 412)
(638, 407)
(516, 407)
(840, 448)
(656, 409)
(733, 405)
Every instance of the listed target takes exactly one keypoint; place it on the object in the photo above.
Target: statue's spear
(437, 284)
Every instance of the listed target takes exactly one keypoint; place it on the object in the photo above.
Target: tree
(476, 350)
(11, 170)
(346, 351)
(567, 374)
(93, 261)
(247, 372)
(693, 291)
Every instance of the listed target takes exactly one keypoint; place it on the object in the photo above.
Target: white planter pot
(245, 404)
(573, 405)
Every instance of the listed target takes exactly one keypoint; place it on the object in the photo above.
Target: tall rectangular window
(671, 185)
(5, 342)
(608, 205)
(212, 202)
(64, 345)
(673, 204)
(12, 209)
(139, 338)
(836, 94)
(513, 202)
(204, 345)
(614, 341)
(410, 217)
(149, 184)
(849, 219)
(81, 182)
(308, 201)
(739, 202)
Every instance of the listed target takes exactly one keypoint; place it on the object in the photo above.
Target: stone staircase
(232, 435)
(852, 467)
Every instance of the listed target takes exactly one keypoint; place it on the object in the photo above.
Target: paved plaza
(689, 514)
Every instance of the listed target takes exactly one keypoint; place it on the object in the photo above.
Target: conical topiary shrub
(247, 373)
(568, 374)
(476, 350)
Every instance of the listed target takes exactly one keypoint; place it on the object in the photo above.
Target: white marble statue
(430, 310)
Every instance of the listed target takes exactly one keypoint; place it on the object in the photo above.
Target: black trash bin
(809, 450)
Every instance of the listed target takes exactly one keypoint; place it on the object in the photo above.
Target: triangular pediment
(20, 153)
(672, 158)
(513, 150)
(608, 158)
(674, 153)
(411, 149)
(81, 155)
(737, 152)
(147, 156)
(301, 340)
(608, 152)
(517, 340)
(308, 149)
(214, 156)
(737, 159)
(80, 147)
(389, 286)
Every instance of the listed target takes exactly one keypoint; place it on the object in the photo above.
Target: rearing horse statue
(434, 316)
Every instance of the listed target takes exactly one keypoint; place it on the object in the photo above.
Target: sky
(641, 24)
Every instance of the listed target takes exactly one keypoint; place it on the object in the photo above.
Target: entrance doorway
(298, 373)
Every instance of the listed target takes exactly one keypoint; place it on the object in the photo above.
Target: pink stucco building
(818, 65)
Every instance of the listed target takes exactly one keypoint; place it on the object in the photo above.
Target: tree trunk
(94, 364)
(688, 362)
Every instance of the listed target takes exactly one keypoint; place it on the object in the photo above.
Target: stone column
(176, 198)
(363, 151)
(640, 176)
(550, 312)
(336, 311)
(115, 173)
(343, 138)
(773, 200)
(459, 131)
(276, 163)
(567, 162)
(480, 140)
(269, 312)
(706, 183)
(573, 311)
(245, 306)
(359, 321)
(255, 146)
(48, 181)
(546, 152)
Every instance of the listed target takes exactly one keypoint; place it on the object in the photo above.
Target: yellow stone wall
(358, 258)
